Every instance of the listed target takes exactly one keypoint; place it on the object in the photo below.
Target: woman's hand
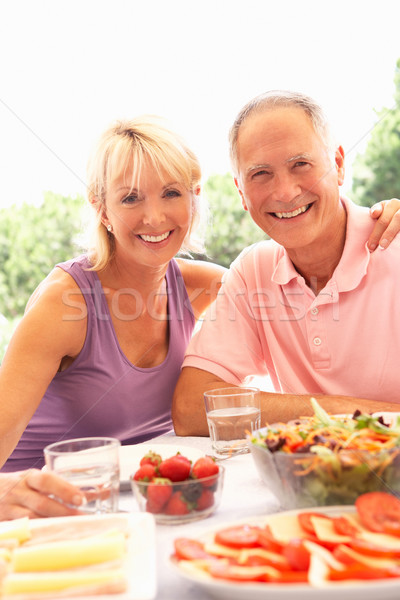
(388, 224)
(35, 493)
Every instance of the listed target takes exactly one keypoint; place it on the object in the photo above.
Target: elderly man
(312, 307)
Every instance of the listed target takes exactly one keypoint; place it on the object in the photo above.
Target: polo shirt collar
(355, 258)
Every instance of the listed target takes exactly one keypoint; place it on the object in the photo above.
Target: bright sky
(69, 67)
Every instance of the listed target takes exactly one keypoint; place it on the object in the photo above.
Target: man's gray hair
(280, 98)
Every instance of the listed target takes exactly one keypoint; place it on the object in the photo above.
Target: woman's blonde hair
(133, 143)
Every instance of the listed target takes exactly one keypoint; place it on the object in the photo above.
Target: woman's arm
(388, 224)
(34, 494)
(202, 281)
(53, 327)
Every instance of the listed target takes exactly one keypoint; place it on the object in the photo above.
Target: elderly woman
(100, 347)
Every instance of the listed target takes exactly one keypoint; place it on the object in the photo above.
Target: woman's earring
(109, 228)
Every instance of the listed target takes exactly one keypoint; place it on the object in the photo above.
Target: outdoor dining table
(244, 495)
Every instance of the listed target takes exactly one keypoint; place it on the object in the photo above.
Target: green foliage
(32, 240)
(377, 172)
(231, 228)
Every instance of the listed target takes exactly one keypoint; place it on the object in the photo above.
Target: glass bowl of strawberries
(176, 490)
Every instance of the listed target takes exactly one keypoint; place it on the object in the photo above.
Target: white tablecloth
(243, 495)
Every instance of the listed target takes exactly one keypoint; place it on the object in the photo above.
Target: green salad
(326, 459)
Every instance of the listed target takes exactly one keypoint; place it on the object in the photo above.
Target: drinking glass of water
(92, 464)
(232, 413)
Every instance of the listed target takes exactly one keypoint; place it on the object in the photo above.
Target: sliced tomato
(369, 549)
(290, 577)
(357, 571)
(222, 570)
(187, 549)
(392, 528)
(379, 510)
(343, 556)
(306, 523)
(254, 561)
(297, 555)
(274, 560)
(343, 526)
(239, 536)
(267, 540)
(261, 556)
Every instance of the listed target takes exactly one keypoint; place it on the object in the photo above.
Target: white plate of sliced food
(320, 553)
(102, 557)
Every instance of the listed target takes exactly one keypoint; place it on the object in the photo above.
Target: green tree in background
(376, 173)
(230, 229)
(32, 240)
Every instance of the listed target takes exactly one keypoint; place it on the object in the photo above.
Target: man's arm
(188, 411)
(189, 417)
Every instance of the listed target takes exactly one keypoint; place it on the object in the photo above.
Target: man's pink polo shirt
(344, 341)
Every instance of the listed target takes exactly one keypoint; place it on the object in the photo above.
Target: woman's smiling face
(150, 215)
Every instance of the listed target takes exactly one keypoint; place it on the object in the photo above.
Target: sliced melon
(68, 554)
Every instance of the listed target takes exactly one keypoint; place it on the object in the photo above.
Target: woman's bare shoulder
(55, 289)
(202, 280)
(56, 314)
(197, 273)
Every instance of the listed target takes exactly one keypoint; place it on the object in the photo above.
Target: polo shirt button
(314, 310)
(317, 341)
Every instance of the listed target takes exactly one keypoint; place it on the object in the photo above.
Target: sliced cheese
(381, 539)
(5, 554)
(72, 553)
(318, 576)
(324, 554)
(285, 527)
(375, 562)
(271, 557)
(220, 550)
(318, 573)
(355, 521)
(20, 583)
(325, 531)
(197, 568)
(18, 529)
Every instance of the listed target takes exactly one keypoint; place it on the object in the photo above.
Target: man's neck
(317, 262)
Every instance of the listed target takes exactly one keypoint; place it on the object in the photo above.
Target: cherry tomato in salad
(379, 512)
(239, 536)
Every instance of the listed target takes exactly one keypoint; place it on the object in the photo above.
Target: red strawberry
(151, 458)
(176, 468)
(205, 467)
(159, 491)
(145, 473)
(206, 499)
(184, 458)
(177, 505)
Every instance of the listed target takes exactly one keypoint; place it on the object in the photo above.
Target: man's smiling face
(287, 178)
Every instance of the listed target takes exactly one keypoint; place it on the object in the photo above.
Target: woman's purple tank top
(102, 393)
